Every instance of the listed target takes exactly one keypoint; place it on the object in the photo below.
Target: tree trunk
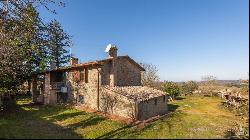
(29, 86)
(1, 102)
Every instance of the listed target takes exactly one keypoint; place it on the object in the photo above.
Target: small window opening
(86, 76)
(155, 101)
(81, 99)
(81, 75)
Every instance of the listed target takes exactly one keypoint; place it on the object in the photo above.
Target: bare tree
(13, 8)
(108, 102)
(131, 110)
(209, 80)
(150, 77)
(209, 84)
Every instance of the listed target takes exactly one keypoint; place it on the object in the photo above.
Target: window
(81, 99)
(155, 101)
(86, 75)
(164, 98)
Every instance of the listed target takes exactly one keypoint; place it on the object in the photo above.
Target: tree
(209, 84)
(58, 41)
(22, 47)
(209, 80)
(187, 88)
(149, 77)
(23, 42)
(13, 8)
(172, 89)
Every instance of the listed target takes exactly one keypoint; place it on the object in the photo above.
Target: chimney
(112, 51)
(73, 61)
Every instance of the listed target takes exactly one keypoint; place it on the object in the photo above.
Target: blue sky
(185, 39)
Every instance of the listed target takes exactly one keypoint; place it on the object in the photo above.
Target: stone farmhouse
(111, 85)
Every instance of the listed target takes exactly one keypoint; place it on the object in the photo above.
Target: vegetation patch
(189, 117)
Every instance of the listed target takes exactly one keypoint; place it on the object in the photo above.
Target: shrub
(172, 89)
(188, 88)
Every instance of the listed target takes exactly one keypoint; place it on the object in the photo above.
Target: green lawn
(191, 117)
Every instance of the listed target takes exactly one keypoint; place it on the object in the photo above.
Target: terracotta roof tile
(91, 63)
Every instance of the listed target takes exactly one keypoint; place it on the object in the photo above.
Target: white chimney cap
(109, 47)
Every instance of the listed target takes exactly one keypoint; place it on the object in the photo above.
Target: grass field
(190, 117)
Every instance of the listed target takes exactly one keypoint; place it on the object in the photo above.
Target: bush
(172, 89)
(188, 88)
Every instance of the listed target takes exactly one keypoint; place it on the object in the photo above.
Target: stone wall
(148, 108)
(113, 103)
(105, 73)
(46, 88)
(127, 74)
(87, 90)
(122, 74)
(109, 101)
(50, 96)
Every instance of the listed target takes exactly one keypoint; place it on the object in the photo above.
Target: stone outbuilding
(111, 85)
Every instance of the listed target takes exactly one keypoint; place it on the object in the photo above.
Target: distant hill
(220, 82)
(225, 82)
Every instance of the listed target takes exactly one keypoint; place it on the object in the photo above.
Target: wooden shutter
(86, 76)
(76, 76)
(81, 75)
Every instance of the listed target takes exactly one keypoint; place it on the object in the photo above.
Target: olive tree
(172, 89)
(187, 88)
(149, 76)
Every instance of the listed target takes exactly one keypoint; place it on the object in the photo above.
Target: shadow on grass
(172, 107)
(179, 98)
(92, 120)
(30, 123)
(129, 131)
(120, 132)
(61, 117)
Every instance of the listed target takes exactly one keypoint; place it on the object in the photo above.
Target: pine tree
(59, 42)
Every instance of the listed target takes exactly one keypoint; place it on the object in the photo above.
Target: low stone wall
(235, 100)
(113, 103)
(152, 107)
(116, 103)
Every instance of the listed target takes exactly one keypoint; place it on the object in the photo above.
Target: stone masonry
(112, 85)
